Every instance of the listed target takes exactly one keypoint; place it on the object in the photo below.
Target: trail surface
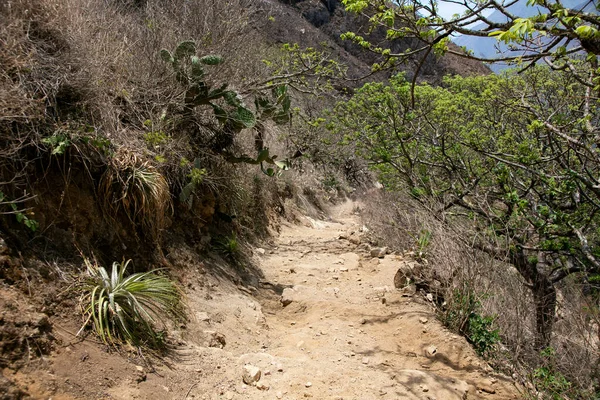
(345, 332)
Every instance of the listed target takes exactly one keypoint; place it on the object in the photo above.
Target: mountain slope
(313, 23)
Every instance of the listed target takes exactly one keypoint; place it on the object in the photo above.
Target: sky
(447, 10)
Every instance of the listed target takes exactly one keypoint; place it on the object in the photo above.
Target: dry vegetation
(89, 110)
(454, 271)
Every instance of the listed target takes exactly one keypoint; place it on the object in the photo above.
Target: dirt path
(345, 334)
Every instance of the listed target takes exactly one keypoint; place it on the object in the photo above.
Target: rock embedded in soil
(485, 387)
(354, 239)
(287, 297)
(215, 339)
(262, 386)
(140, 374)
(379, 252)
(431, 351)
(251, 374)
(203, 317)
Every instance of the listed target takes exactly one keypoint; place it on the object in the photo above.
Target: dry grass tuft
(135, 189)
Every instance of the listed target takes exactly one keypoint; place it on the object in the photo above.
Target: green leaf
(232, 98)
(197, 69)
(279, 91)
(220, 113)
(281, 118)
(262, 102)
(286, 103)
(270, 171)
(586, 32)
(186, 194)
(217, 93)
(263, 155)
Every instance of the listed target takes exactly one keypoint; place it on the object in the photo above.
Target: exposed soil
(346, 333)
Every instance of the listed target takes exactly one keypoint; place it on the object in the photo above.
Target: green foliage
(190, 73)
(530, 39)
(514, 153)
(128, 308)
(481, 334)
(462, 314)
(548, 380)
(276, 106)
(196, 178)
(155, 139)
(22, 216)
(228, 245)
(263, 156)
(58, 142)
(423, 242)
(330, 182)
(308, 70)
(73, 134)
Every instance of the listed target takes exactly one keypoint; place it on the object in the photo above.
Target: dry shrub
(116, 48)
(458, 271)
(96, 65)
(28, 51)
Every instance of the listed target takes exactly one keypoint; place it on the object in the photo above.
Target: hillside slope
(314, 23)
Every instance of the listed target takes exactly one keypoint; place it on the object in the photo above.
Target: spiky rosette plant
(128, 308)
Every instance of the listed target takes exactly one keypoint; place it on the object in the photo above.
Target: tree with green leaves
(552, 31)
(514, 156)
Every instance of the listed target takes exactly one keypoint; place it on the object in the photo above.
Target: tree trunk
(544, 296)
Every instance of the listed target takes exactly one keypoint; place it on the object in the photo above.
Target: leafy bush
(20, 214)
(463, 314)
(548, 380)
(128, 307)
(481, 334)
(228, 106)
(229, 245)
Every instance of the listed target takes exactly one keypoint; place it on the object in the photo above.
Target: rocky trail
(325, 322)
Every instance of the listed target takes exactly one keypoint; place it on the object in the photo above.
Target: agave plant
(127, 308)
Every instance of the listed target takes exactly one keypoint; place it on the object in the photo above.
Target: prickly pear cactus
(227, 105)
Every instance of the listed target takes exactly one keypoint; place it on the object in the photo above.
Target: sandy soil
(346, 333)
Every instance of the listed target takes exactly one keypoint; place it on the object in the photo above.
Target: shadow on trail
(379, 319)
